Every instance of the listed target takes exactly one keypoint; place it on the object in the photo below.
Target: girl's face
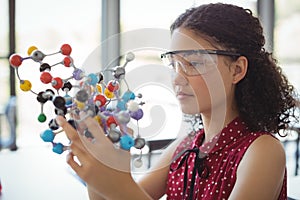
(210, 89)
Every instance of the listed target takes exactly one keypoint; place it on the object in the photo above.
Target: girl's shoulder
(268, 143)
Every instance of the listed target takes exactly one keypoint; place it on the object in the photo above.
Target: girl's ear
(239, 68)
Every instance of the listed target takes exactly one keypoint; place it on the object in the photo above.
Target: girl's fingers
(69, 130)
(76, 143)
(102, 149)
(73, 164)
(93, 126)
(79, 151)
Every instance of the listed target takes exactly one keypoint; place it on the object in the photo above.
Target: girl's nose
(178, 78)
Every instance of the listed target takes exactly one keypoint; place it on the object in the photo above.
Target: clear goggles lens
(192, 64)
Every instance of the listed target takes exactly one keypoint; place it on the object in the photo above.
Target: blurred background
(87, 26)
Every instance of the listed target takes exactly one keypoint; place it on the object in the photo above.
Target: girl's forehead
(184, 39)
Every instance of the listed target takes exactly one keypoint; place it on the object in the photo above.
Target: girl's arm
(154, 182)
(93, 195)
(106, 170)
(261, 171)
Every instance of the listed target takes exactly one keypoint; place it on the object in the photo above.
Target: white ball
(130, 56)
(132, 106)
(123, 117)
(137, 163)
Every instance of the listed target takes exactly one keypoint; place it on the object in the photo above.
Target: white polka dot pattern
(223, 155)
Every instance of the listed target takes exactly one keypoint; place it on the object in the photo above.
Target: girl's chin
(189, 110)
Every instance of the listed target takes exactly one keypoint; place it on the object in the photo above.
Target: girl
(223, 73)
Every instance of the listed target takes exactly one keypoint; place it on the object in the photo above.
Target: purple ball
(78, 74)
(137, 115)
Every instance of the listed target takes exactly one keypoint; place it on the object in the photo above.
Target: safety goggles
(194, 62)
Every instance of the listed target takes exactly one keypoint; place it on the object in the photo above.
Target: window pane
(4, 82)
(4, 50)
(145, 31)
(286, 38)
(48, 25)
(4, 29)
(136, 14)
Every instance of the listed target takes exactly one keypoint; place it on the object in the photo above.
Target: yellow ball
(109, 94)
(31, 49)
(99, 88)
(80, 105)
(25, 85)
(98, 119)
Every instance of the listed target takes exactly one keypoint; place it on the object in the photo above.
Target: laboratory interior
(55, 56)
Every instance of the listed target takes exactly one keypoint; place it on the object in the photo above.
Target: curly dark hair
(265, 99)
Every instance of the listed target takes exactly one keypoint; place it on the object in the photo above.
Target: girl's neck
(213, 125)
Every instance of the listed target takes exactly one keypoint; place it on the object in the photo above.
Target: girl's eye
(172, 64)
(197, 64)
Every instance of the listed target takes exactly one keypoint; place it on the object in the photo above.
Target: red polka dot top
(217, 162)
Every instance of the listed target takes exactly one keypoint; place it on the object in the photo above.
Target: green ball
(42, 117)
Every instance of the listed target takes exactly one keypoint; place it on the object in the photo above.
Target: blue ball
(128, 95)
(93, 79)
(68, 99)
(47, 135)
(126, 142)
(58, 148)
(121, 105)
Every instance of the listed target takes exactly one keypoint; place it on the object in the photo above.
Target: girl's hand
(98, 163)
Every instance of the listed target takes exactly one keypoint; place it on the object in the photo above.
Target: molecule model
(105, 102)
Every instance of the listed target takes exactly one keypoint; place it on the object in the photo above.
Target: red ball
(113, 86)
(57, 83)
(101, 99)
(111, 120)
(46, 77)
(68, 61)
(66, 49)
(15, 60)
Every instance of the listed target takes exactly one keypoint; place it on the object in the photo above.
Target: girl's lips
(182, 95)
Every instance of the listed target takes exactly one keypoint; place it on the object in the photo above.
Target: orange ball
(25, 85)
(31, 49)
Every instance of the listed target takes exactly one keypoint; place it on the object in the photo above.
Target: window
(286, 38)
(145, 31)
(47, 25)
(4, 51)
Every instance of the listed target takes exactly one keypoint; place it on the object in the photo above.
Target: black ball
(40, 98)
(82, 96)
(44, 67)
(53, 124)
(59, 102)
(67, 86)
(73, 123)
